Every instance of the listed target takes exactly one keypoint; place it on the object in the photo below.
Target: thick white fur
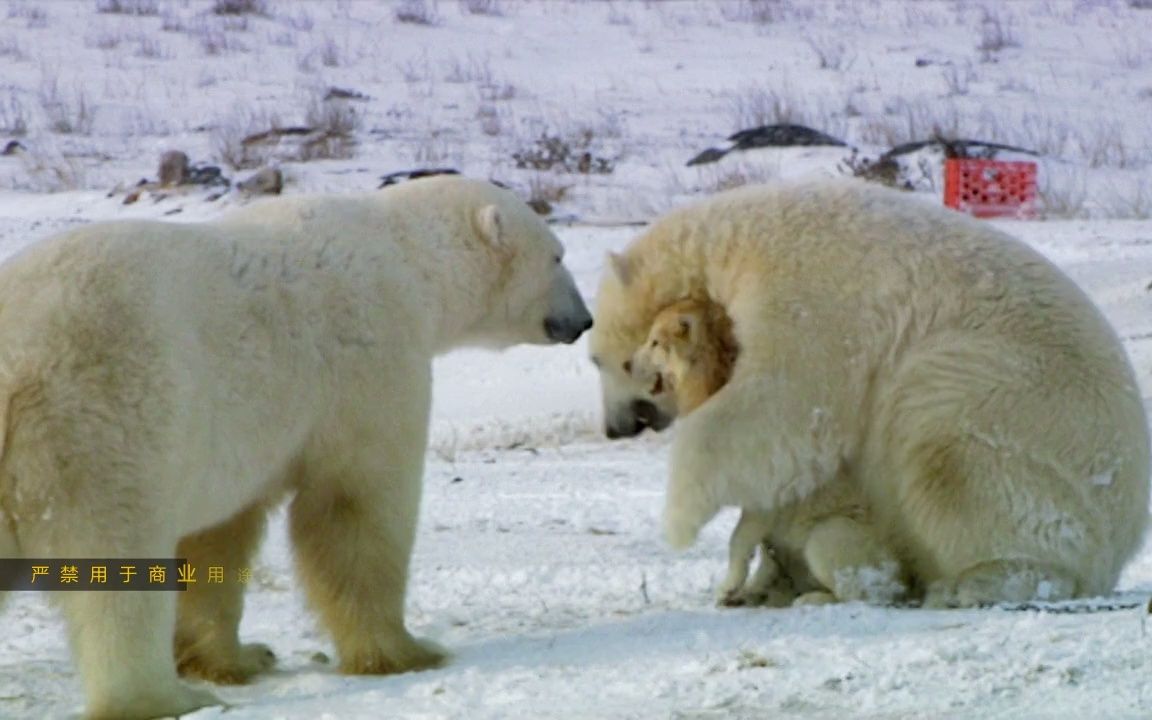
(972, 392)
(165, 383)
(826, 539)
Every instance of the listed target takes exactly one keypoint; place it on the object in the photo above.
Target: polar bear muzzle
(634, 418)
(568, 317)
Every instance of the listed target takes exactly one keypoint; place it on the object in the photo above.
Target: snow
(539, 561)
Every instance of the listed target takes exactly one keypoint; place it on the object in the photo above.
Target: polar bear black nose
(566, 330)
(648, 415)
(638, 416)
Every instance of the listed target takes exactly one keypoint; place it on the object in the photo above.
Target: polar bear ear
(488, 225)
(622, 267)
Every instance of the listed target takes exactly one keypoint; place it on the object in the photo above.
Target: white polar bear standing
(976, 396)
(164, 384)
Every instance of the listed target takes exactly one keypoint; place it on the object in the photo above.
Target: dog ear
(488, 225)
(686, 325)
(622, 267)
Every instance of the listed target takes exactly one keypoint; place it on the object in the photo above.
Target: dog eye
(654, 343)
(628, 366)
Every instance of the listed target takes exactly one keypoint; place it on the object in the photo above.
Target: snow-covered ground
(539, 560)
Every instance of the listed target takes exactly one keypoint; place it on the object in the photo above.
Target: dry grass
(564, 145)
(300, 20)
(545, 190)
(144, 8)
(1131, 52)
(490, 8)
(958, 78)
(214, 41)
(491, 119)
(249, 139)
(49, 172)
(1135, 203)
(229, 134)
(757, 105)
(10, 49)
(433, 147)
(909, 121)
(1043, 133)
(831, 52)
(104, 41)
(240, 7)
(34, 16)
(416, 70)
(1062, 192)
(756, 12)
(477, 69)
(334, 117)
(1107, 147)
(151, 49)
(995, 34)
(67, 113)
(13, 119)
(330, 54)
(416, 12)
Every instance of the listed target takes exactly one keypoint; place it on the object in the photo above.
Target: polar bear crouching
(971, 392)
(165, 384)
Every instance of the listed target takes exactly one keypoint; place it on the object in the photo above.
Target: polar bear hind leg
(121, 640)
(1002, 581)
(845, 557)
(208, 613)
(987, 478)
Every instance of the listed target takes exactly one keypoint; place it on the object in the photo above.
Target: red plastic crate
(990, 188)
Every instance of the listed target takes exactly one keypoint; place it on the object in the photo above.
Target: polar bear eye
(628, 366)
(557, 260)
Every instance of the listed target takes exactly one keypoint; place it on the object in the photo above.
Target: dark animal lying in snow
(399, 177)
(768, 136)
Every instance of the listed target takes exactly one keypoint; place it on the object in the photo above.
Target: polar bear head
(626, 306)
(520, 290)
(538, 302)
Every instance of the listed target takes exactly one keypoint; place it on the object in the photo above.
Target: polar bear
(817, 550)
(976, 397)
(164, 384)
